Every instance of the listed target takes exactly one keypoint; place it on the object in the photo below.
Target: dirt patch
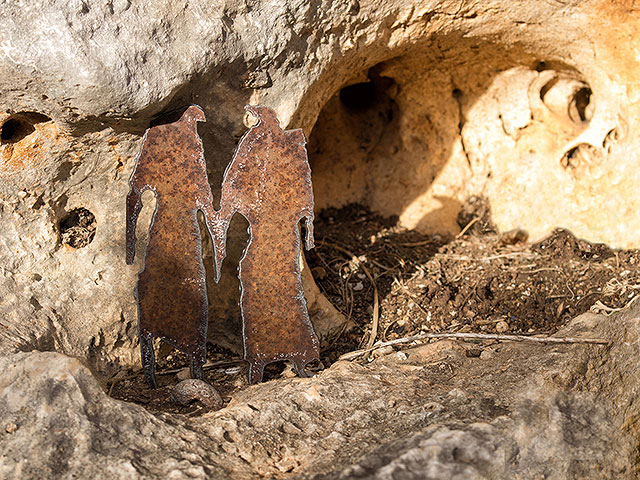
(227, 376)
(480, 281)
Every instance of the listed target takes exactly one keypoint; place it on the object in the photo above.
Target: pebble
(487, 354)
(381, 352)
(192, 389)
(11, 427)
(401, 355)
(502, 326)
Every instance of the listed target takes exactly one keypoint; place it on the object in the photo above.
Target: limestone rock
(192, 389)
(554, 411)
(410, 107)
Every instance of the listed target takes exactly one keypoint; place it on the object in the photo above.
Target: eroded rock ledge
(517, 412)
(410, 108)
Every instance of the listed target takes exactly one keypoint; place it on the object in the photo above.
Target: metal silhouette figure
(269, 183)
(171, 290)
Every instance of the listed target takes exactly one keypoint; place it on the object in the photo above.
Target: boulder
(411, 108)
(433, 411)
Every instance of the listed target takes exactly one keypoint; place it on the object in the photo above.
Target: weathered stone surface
(515, 103)
(527, 114)
(531, 411)
(532, 105)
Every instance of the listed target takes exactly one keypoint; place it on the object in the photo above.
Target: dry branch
(475, 336)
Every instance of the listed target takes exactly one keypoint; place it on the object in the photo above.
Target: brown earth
(480, 282)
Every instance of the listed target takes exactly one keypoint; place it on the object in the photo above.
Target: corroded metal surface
(171, 290)
(269, 182)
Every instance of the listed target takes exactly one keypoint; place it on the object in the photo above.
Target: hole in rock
(569, 97)
(78, 228)
(611, 139)
(581, 156)
(389, 158)
(359, 96)
(375, 150)
(20, 125)
(579, 109)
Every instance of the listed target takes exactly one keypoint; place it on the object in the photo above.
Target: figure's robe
(171, 290)
(269, 182)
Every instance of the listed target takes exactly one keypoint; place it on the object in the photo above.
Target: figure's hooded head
(265, 115)
(191, 112)
(196, 113)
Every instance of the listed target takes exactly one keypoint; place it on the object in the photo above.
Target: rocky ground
(441, 410)
(429, 114)
(446, 409)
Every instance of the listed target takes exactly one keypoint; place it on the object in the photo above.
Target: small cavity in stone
(78, 228)
(359, 96)
(580, 107)
(18, 126)
(581, 156)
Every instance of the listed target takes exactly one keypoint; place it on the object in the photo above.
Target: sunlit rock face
(410, 107)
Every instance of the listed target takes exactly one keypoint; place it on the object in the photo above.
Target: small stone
(514, 236)
(192, 389)
(381, 352)
(502, 326)
(358, 286)
(487, 354)
(11, 427)
(401, 355)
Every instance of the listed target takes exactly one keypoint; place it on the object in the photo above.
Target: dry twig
(474, 336)
(376, 306)
(469, 225)
(221, 363)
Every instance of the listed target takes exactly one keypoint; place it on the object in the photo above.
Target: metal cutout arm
(309, 240)
(134, 205)
(212, 220)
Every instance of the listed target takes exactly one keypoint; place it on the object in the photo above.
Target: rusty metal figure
(269, 182)
(171, 290)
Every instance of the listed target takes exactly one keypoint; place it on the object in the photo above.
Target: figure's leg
(298, 366)
(148, 358)
(256, 370)
(196, 367)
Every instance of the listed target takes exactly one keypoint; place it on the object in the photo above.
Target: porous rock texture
(517, 411)
(410, 107)
(532, 105)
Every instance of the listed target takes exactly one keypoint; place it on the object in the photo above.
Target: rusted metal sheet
(269, 182)
(171, 290)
